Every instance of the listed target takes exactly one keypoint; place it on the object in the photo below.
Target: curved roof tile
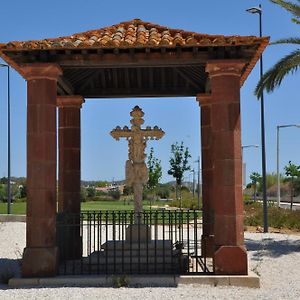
(134, 33)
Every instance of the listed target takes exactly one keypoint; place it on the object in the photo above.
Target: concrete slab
(251, 280)
(12, 218)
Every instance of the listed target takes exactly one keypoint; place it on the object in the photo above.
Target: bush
(114, 194)
(187, 200)
(163, 192)
(277, 217)
(128, 190)
(90, 192)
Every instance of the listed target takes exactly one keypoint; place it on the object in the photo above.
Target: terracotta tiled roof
(135, 33)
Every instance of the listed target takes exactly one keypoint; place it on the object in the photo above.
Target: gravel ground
(275, 257)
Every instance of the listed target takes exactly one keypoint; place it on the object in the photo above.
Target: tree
(288, 64)
(90, 192)
(255, 178)
(179, 164)
(23, 191)
(3, 180)
(154, 170)
(292, 171)
(101, 183)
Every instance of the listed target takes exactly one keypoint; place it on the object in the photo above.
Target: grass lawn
(20, 208)
(16, 208)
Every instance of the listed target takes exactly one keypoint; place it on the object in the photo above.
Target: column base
(231, 260)
(207, 246)
(40, 262)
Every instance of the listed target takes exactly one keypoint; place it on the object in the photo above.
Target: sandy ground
(274, 256)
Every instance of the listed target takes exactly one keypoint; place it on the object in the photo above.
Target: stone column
(69, 174)
(207, 242)
(230, 255)
(40, 255)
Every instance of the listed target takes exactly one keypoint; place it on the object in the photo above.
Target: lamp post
(8, 139)
(198, 185)
(278, 173)
(193, 171)
(258, 10)
(244, 165)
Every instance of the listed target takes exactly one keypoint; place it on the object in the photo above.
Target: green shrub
(163, 192)
(277, 217)
(114, 194)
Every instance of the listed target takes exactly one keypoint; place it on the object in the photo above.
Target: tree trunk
(180, 196)
(254, 192)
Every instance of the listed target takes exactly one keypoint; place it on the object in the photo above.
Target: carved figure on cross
(136, 169)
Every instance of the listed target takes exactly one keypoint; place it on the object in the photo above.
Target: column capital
(41, 71)
(224, 67)
(70, 101)
(204, 99)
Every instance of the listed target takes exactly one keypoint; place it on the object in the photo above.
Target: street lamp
(244, 165)
(278, 173)
(8, 139)
(258, 10)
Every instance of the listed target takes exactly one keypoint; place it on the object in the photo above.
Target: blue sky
(102, 156)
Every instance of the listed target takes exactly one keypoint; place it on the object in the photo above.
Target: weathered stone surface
(69, 171)
(230, 256)
(39, 262)
(138, 233)
(136, 169)
(231, 260)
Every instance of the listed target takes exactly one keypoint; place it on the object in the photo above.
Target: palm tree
(255, 178)
(292, 171)
(288, 64)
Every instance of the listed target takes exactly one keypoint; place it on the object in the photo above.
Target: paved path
(275, 257)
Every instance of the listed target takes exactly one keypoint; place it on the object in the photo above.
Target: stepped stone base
(150, 256)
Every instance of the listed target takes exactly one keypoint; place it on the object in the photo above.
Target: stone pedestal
(40, 254)
(69, 172)
(230, 256)
(138, 233)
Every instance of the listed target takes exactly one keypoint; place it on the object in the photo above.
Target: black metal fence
(114, 242)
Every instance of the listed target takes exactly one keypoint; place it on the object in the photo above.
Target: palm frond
(287, 41)
(273, 77)
(289, 6)
(294, 20)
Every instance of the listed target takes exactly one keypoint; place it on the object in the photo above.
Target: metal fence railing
(114, 242)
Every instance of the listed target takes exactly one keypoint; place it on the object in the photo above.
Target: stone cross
(136, 169)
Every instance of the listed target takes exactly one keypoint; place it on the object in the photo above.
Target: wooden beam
(87, 82)
(66, 85)
(103, 79)
(113, 93)
(151, 78)
(115, 78)
(125, 60)
(139, 77)
(186, 78)
(163, 78)
(127, 78)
